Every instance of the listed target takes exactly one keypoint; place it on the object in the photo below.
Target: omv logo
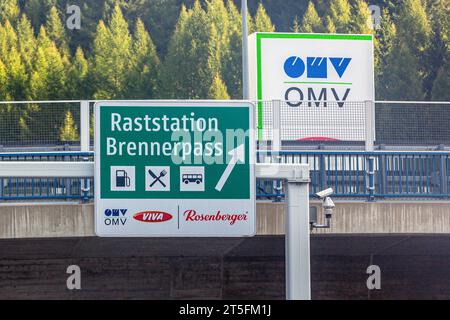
(315, 67)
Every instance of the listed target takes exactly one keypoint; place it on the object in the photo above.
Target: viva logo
(317, 71)
(152, 216)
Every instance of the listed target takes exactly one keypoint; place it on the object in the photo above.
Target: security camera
(325, 193)
(328, 203)
(328, 206)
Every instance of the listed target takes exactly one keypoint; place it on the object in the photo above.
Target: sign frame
(256, 67)
(169, 104)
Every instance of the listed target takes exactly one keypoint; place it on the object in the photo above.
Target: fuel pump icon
(122, 179)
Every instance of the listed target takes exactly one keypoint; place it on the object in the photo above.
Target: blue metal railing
(47, 156)
(352, 174)
(371, 175)
(13, 188)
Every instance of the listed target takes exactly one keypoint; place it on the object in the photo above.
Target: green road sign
(174, 168)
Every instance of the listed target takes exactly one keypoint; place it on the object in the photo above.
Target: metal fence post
(84, 126)
(370, 124)
(371, 172)
(276, 126)
(85, 142)
(276, 141)
(444, 176)
(369, 146)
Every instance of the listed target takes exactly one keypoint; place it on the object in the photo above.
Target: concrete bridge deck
(38, 220)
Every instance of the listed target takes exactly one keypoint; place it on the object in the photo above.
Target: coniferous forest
(191, 49)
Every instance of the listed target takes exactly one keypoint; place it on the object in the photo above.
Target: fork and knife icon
(157, 177)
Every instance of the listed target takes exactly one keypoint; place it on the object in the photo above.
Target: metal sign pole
(245, 75)
(298, 280)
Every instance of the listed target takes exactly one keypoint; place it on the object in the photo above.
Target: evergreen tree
(296, 27)
(145, 63)
(413, 39)
(413, 26)
(101, 64)
(329, 25)
(111, 57)
(26, 42)
(43, 41)
(8, 38)
(402, 80)
(77, 80)
(9, 10)
(218, 89)
(37, 10)
(361, 19)
(4, 95)
(441, 86)
(56, 31)
(437, 55)
(192, 59)
(262, 21)
(311, 21)
(386, 37)
(17, 75)
(232, 65)
(49, 75)
(340, 15)
(69, 130)
(218, 15)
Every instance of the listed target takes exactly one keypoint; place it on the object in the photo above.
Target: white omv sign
(168, 168)
(308, 69)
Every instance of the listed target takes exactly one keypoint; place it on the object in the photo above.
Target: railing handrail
(351, 152)
(47, 154)
(264, 152)
(306, 101)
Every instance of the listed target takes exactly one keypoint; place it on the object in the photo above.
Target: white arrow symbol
(237, 155)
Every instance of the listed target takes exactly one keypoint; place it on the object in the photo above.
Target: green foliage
(386, 36)
(340, 15)
(69, 130)
(9, 10)
(361, 18)
(3, 82)
(199, 42)
(218, 89)
(48, 76)
(413, 25)
(311, 21)
(26, 42)
(112, 57)
(193, 56)
(77, 80)
(262, 21)
(403, 78)
(231, 71)
(441, 90)
(56, 31)
(329, 25)
(144, 64)
(296, 25)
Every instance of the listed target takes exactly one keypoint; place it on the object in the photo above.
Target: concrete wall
(76, 220)
(367, 217)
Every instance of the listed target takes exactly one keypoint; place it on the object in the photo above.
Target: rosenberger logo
(231, 218)
(152, 216)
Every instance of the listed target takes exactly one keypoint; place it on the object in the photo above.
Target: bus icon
(192, 178)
